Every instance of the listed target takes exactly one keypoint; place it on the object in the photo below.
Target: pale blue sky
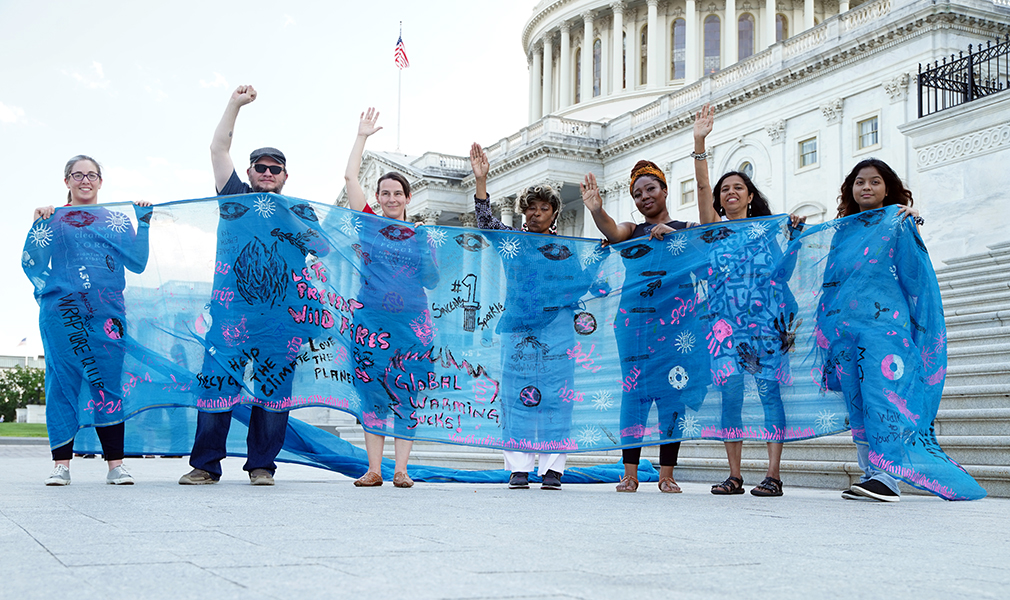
(140, 86)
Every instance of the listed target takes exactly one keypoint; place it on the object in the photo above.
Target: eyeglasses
(78, 176)
(274, 169)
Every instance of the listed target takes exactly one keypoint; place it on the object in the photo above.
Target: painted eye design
(305, 212)
(471, 242)
(636, 251)
(397, 232)
(78, 218)
(233, 210)
(110, 262)
(871, 217)
(714, 235)
(554, 251)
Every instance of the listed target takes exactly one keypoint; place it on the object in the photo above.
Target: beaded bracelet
(702, 156)
(919, 221)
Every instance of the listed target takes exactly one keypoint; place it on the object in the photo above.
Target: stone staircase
(973, 424)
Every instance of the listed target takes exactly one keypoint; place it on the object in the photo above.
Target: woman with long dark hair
(747, 315)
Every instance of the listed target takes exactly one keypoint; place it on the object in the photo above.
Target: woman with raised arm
(525, 363)
(639, 336)
(77, 260)
(748, 316)
(396, 276)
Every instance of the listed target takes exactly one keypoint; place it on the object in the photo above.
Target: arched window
(578, 75)
(597, 67)
(747, 169)
(643, 73)
(678, 43)
(712, 45)
(624, 60)
(781, 27)
(745, 36)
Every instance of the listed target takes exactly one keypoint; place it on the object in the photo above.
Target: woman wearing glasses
(77, 259)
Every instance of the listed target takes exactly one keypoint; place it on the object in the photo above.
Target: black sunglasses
(274, 169)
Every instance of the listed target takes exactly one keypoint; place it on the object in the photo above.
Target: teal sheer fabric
(499, 339)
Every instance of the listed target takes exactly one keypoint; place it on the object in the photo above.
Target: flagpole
(399, 94)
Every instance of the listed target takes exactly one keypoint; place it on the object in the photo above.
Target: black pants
(667, 455)
(112, 444)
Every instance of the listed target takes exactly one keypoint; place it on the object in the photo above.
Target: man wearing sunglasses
(267, 170)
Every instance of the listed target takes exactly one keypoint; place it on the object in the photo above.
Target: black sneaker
(519, 481)
(552, 480)
(850, 495)
(876, 490)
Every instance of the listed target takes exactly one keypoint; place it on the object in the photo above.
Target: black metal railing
(965, 78)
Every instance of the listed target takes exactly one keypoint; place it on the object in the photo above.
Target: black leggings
(667, 455)
(112, 444)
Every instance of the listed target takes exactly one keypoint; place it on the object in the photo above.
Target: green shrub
(20, 387)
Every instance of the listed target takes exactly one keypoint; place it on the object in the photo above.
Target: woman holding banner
(77, 262)
(663, 373)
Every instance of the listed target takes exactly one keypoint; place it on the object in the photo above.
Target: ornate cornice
(832, 111)
(936, 18)
(964, 147)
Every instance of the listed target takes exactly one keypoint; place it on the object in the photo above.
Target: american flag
(400, 54)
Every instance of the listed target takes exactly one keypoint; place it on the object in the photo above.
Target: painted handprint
(721, 332)
(750, 358)
(787, 330)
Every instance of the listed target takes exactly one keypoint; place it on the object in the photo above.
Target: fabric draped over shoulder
(502, 339)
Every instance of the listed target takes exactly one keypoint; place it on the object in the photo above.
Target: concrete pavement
(315, 535)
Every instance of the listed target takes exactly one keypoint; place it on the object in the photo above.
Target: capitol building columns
(597, 52)
(618, 47)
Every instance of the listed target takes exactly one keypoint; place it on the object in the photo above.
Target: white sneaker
(119, 476)
(59, 476)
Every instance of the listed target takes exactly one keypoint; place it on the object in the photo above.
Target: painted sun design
(117, 222)
(677, 244)
(592, 257)
(826, 421)
(349, 225)
(41, 235)
(757, 230)
(436, 237)
(589, 435)
(602, 400)
(940, 342)
(685, 342)
(264, 206)
(689, 426)
(354, 402)
(509, 248)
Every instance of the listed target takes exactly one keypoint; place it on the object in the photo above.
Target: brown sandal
(668, 486)
(369, 479)
(402, 480)
(628, 484)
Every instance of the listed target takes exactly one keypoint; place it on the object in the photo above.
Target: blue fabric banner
(500, 339)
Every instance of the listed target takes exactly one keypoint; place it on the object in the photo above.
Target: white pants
(522, 462)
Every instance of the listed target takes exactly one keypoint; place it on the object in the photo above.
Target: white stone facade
(843, 85)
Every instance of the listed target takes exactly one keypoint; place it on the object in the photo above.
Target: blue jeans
(264, 441)
(872, 472)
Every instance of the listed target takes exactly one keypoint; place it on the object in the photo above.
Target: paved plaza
(314, 535)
